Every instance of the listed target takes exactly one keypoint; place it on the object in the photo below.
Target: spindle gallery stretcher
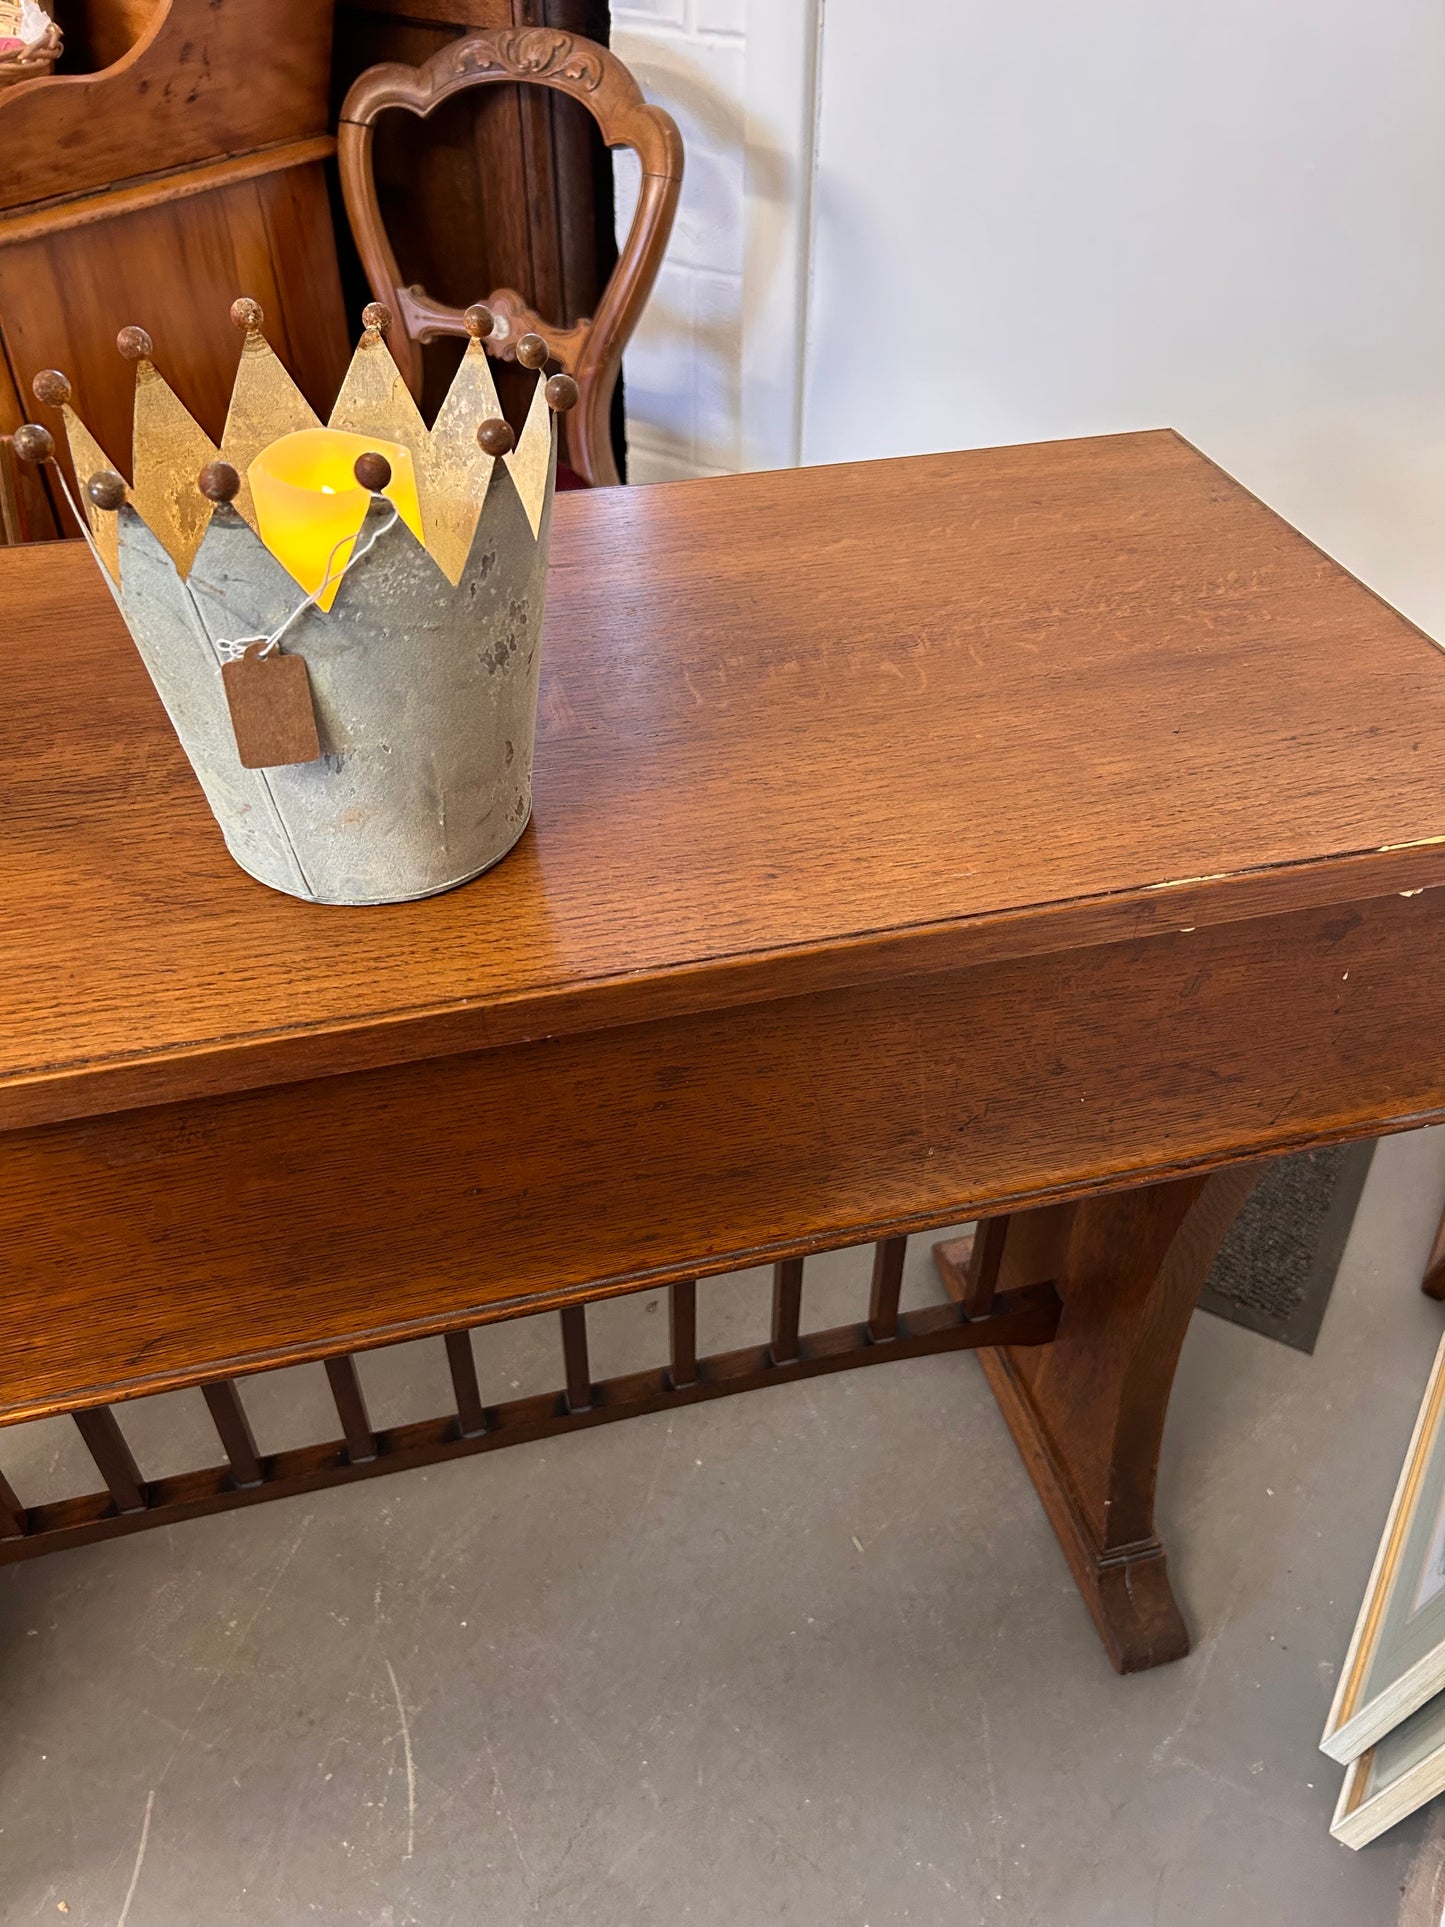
(1038, 836)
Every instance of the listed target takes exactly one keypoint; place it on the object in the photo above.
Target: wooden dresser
(186, 171)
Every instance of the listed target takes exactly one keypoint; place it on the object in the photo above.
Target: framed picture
(1396, 1661)
(1399, 1774)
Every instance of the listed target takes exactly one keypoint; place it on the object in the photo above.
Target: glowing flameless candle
(307, 500)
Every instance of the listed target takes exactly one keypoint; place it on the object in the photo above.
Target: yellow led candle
(308, 499)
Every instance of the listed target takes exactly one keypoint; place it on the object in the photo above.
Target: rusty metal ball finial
(561, 392)
(51, 387)
(533, 352)
(219, 482)
(373, 471)
(32, 443)
(495, 437)
(134, 343)
(377, 317)
(247, 313)
(480, 320)
(106, 489)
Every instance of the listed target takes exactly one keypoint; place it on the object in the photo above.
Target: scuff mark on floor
(140, 1854)
(410, 1763)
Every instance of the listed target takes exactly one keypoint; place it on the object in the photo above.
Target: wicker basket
(32, 61)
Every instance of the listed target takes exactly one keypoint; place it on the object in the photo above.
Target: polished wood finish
(431, 13)
(1021, 1318)
(1089, 1418)
(883, 1293)
(462, 1362)
(12, 1513)
(351, 1409)
(14, 517)
(682, 1329)
(66, 287)
(100, 32)
(931, 1100)
(787, 1310)
(157, 190)
(504, 187)
(974, 1264)
(1143, 612)
(191, 87)
(763, 978)
(234, 1430)
(574, 1353)
(591, 348)
(114, 1460)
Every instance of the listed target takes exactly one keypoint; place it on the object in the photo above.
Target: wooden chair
(591, 351)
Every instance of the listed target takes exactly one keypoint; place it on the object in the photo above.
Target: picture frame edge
(1354, 1734)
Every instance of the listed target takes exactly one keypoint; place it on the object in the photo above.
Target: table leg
(1087, 1411)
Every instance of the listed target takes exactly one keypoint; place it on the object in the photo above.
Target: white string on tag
(231, 650)
(83, 520)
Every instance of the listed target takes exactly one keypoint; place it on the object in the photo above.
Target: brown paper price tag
(271, 709)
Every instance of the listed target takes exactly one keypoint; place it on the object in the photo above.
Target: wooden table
(1040, 835)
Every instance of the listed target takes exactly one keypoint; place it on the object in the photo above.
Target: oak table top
(797, 730)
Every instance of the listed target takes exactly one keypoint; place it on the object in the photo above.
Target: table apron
(185, 1243)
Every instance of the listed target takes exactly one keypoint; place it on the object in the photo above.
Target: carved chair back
(590, 351)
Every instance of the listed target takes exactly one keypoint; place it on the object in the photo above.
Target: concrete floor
(805, 1659)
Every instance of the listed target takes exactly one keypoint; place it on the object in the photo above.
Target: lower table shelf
(1028, 1315)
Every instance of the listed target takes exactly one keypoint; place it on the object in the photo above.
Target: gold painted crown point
(453, 471)
(265, 403)
(166, 445)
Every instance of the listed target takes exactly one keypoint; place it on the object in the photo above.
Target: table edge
(224, 1065)
(716, 1264)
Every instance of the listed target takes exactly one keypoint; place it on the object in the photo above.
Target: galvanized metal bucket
(425, 696)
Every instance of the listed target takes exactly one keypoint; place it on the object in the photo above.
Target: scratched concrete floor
(808, 1659)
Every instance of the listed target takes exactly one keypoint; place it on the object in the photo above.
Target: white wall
(1228, 217)
(682, 371)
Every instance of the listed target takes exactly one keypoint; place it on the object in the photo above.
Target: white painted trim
(780, 152)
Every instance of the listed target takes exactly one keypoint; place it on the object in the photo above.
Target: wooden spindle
(574, 1353)
(980, 1280)
(351, 1408)
(106, 1444)
(471, 1413)
(888, 1256)
(787, 1309)
(682, 1320)
(12, 1513)
(228, 1415)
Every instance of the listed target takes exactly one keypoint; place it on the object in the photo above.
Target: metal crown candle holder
(422, 670)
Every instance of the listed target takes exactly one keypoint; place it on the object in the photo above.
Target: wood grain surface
(798, 731)
(166, 1245)
(189, 88)
(1088, 1419)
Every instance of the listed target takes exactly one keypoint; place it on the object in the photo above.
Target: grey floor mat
(1276, 1269)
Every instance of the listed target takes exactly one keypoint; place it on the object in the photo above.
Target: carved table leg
(1087, 1411)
